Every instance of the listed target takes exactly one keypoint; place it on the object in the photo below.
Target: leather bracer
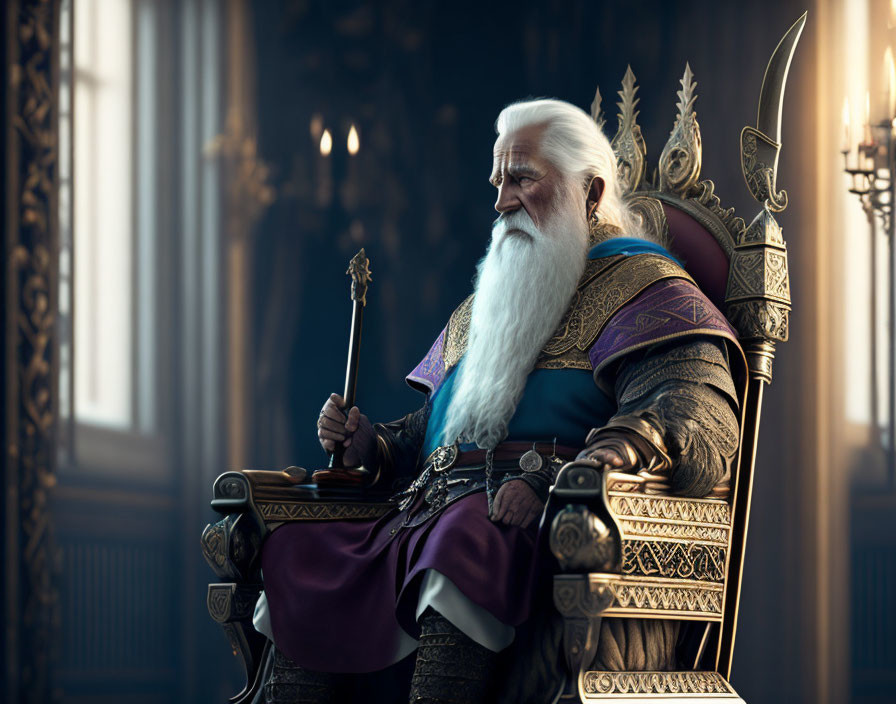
(398, 446)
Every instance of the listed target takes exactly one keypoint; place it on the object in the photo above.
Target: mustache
(516, 223)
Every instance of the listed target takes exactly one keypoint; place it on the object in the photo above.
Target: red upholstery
(702, 255)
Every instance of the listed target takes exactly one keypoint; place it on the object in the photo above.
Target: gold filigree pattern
(760, 319)
(276, 511)
(760, 272)
(597, 684)
(763, 230)
(704, 194)
(652, 216)
(682, 156)
(681, 599)
(759, 163)
(671, 508)
(628, 143)
(758, 294)
(596, 303)
(31, 280)
(678, 531)
(457, 333)
(674, 560)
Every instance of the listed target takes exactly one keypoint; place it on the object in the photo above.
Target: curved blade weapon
(761, 145)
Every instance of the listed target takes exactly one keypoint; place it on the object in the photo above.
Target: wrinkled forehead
(523, 145)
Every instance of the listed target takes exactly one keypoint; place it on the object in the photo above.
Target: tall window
(140, 234)
(110, 257)
(103, 213)
(869, 38)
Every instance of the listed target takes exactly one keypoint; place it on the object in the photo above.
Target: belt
(512, 451)
(529, 456)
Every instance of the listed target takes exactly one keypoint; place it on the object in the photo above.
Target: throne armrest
(627, 548)
(254, 503)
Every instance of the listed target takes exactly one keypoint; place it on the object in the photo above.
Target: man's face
(525, 179)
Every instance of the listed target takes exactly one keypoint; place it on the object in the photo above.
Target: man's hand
(355, 432)
(516, 504)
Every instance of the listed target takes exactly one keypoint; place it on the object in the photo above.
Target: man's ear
(593, 195)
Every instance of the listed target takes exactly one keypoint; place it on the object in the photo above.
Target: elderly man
(522, 379)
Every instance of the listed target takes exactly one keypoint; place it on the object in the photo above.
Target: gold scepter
(359, 270)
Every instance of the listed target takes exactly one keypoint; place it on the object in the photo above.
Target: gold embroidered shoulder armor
(457, 333)
(606, 285)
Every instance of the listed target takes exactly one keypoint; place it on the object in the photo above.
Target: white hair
(574, 144)
(523, 287)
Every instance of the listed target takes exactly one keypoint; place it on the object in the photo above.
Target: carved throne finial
(628, 144)
(683, 154)
(597, 113)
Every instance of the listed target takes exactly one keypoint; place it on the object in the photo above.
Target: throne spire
(682, 156)
(597, 113)
(628, 144)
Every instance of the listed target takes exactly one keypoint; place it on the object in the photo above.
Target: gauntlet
(639, 444)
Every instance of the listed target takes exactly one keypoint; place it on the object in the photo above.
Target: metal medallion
(443, 458)
(531, 461)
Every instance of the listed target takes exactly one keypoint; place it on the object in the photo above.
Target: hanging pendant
(531, 461)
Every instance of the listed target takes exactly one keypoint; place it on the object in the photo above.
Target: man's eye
(523, 180)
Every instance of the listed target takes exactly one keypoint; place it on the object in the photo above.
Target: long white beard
(523, 288)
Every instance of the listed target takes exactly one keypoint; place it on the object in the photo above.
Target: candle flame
(354, 143)
(326, 143)
(845, 113)
(867, 107)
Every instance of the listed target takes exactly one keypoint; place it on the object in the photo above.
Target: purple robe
(340, 593)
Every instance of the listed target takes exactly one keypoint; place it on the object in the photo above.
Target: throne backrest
(742, 269)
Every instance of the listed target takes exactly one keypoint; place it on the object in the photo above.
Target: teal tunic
(556, 403)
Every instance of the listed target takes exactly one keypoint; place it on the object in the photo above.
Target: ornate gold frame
(31, 229)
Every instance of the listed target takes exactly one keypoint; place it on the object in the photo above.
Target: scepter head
(359, 270)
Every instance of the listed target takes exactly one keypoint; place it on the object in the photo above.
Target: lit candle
(351, 187)
(846, 145)
(326, 143)
(325, 173)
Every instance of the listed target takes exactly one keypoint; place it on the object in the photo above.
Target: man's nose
(508, 201)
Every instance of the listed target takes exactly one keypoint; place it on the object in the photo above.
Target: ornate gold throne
(621, 550)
